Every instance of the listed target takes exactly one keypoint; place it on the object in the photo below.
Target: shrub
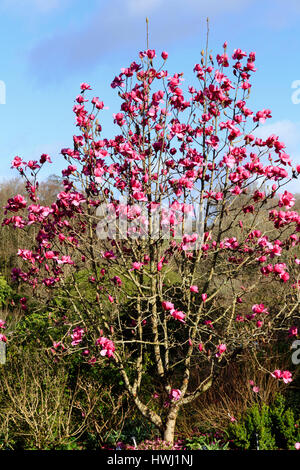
(266, 427)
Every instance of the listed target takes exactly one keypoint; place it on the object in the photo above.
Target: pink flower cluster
(77, 336)
(221, 349)
(175, 394)
(107, 346)
(285, 375)
(177, 314)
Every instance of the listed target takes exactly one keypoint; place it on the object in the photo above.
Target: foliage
(266, 427)
(205, 442)
(5, 291)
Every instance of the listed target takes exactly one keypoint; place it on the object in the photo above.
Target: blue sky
(48, 47)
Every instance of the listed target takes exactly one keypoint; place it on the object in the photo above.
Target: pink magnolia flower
(117, 280)
(17, 162)
(159, 265)
(178, 315)
(255, 389)
(293, 331)
(15, 204)
(139, 196)
(167, 305)
(85, 86)
(3, 338)
(204, 297)
(175, 394)
(297, 446)
(276, 374)
(284, 276)
(240, 318)
(150, 53)
(45, 158)
(286, 376)
(77, 335)
(97, 103)
(221, 349)
(107, 345)
(136, 266)
(109, 255)
(259, 308)
(2, 324)
(194, 289)
(57, 345)
(286, 199)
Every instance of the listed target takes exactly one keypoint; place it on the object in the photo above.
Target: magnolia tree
(157, 242)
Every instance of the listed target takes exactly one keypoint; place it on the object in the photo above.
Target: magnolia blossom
(136, 266)
(175, 394)
(17, 162)
(77, 335)
(285, 375)
(85, 86)
(3, 338)
(194, 289)
(2, 324)
(221, 349)
(259, 308)
(286, 199)
(293, 331)
(167, 305)
(178, 315)
(107, 345)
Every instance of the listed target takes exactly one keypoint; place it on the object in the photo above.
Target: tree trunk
(169, 428)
